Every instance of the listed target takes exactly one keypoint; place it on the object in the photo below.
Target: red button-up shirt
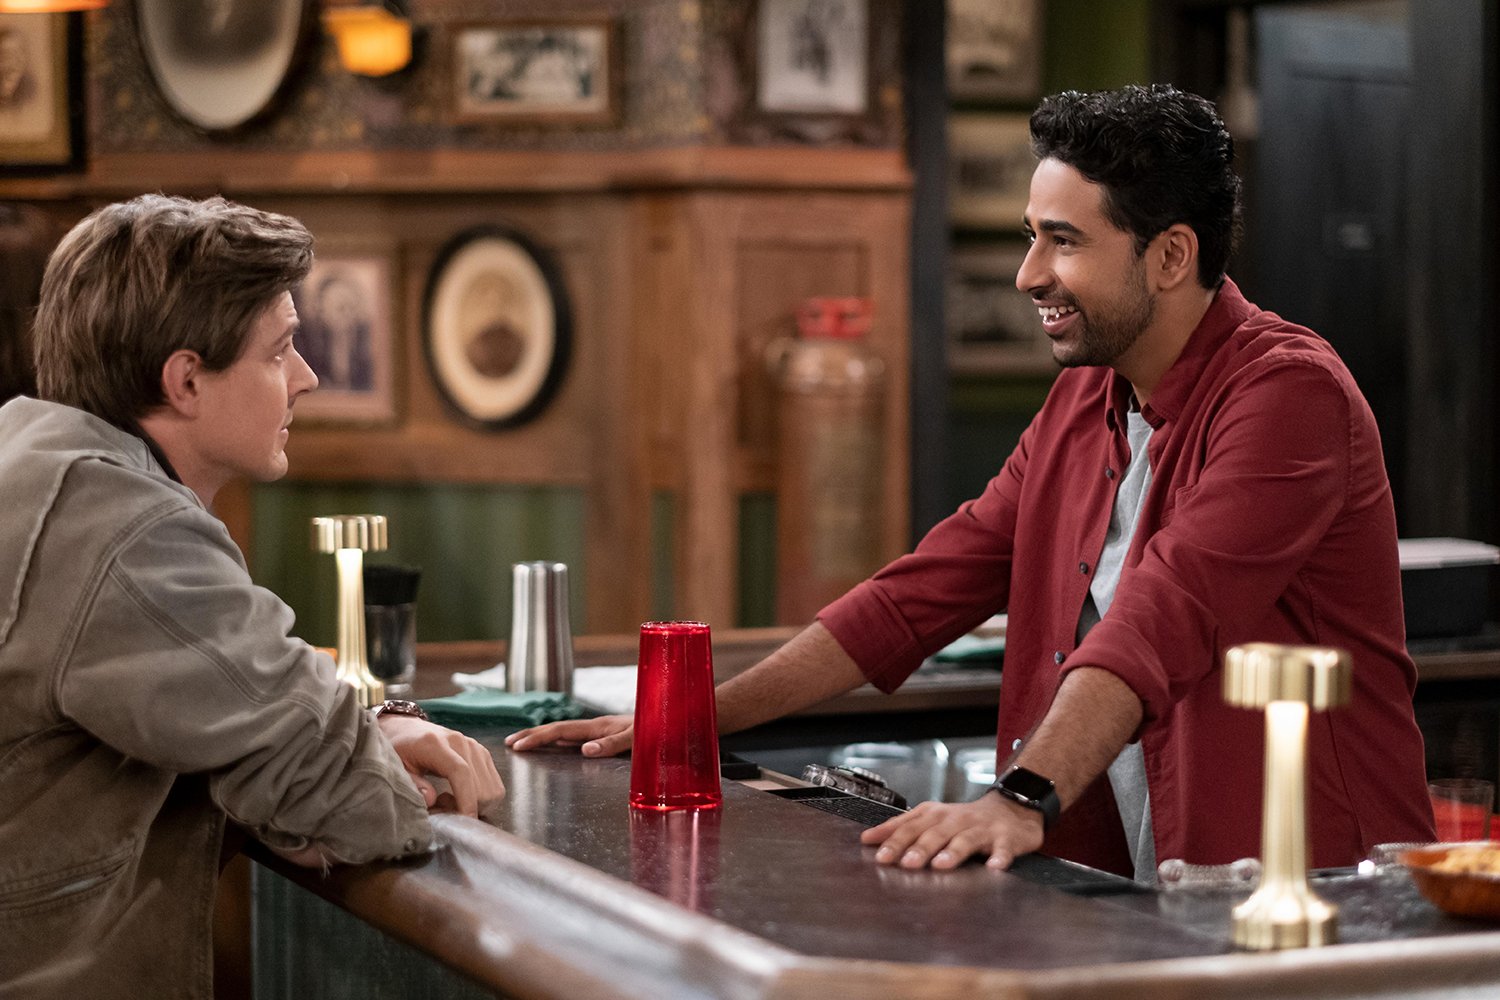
(1269, 519)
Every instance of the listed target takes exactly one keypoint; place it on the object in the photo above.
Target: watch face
(1028, 784)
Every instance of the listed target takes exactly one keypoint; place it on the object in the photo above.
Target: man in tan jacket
(150, 690)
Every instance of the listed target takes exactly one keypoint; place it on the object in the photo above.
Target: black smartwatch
(1029, 789)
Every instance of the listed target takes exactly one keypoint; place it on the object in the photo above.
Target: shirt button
(1016, 744)
(1083, 568)
(1058, 657)
(1109, 473)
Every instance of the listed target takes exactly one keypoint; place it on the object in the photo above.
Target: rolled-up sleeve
(958, 575)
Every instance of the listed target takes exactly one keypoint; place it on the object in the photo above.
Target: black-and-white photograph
(993, 326)
(34, 126)
(813, 56)
(995, 50)
(560, 71)
(990, 165)
(344, 306)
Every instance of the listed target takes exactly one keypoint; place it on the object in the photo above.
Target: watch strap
(1030, 790)
(399, 706)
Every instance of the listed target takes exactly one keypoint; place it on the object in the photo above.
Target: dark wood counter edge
(548, 926)
(1472, 664)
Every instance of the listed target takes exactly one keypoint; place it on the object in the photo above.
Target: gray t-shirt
(1127, 775)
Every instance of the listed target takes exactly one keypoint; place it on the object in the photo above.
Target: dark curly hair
(1162, 157)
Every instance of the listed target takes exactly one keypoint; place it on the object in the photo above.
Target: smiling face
(246, 409)
(1082, 272)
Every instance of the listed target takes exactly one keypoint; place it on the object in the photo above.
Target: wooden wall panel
(618, 501)
(775, 277)
(834, 241)
(426, 442)
(680, 266)
(708, 512)
(751, 258)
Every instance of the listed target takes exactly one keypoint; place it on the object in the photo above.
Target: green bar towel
(972, 649)
(502, 708)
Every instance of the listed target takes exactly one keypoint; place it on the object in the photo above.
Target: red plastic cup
(674, 763)
(1461, 808)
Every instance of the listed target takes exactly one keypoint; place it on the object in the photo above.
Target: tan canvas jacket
(148, 689)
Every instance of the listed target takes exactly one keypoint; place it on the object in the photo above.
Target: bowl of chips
(1461, 879)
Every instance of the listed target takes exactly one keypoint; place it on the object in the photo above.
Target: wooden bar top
(562, 890)
(565, 891)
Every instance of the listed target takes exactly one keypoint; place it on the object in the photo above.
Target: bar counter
(735, 650)
(564, 891)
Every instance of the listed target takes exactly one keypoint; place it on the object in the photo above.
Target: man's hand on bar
(430, 751)
(945, 835)
(600, 737)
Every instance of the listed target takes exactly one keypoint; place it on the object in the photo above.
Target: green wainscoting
(758, 560)
(463, 538)
(757, 569)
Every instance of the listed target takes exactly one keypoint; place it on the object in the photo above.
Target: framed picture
(813, 56)
(563, 71)
(496, 327)
(990, 165)
(36, 127)
(348, 339)
(992, 327)
(221, 64)
(995, 50)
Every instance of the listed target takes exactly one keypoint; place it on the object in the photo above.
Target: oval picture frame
(496, 327)
(222, 65)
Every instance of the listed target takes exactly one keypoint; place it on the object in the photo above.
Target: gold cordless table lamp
(349, 537)
(1288, 682)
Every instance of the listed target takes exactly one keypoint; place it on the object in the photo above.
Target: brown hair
(136, 281)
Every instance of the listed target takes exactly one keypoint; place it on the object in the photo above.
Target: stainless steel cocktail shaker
(540, 657)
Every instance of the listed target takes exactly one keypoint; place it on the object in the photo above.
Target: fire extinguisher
(829, 456)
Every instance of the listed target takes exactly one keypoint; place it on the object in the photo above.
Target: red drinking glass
(674, 763)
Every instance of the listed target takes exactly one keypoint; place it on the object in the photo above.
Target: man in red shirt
(1203, 474)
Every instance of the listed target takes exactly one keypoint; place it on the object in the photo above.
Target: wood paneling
(424, 172)
(680, 265)
(723, 274)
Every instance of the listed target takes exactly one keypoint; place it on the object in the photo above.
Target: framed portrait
(994, 50)
(990, 165)
(36, 79)
(348, 339)
(992, 327)
(562, 71)
(813, 56)
(221, 64)
(496, 327)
